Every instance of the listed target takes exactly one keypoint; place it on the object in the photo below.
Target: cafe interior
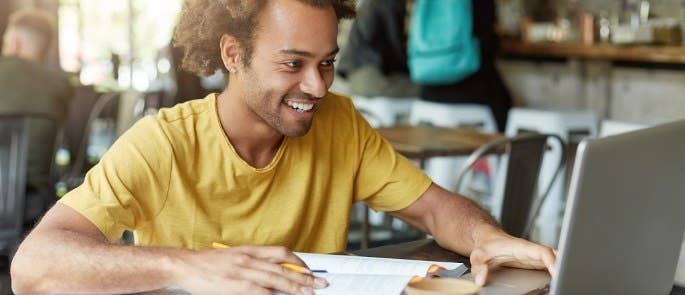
(542, 77)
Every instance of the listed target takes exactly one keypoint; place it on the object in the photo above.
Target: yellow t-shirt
(175, 180)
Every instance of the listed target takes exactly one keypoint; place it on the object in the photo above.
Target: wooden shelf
(634, 53)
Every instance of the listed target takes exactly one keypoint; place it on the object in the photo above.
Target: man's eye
(293, 64)
(328, 63)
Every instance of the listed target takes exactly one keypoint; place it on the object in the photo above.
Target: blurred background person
(485, 85)
(30, 87)
(374, 61)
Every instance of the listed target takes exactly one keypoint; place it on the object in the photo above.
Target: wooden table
(423, 142)
(426, 249)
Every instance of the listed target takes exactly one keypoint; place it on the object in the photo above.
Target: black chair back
(520, 202)
(14, 141)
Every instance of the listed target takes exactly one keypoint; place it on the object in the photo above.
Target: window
(117, 43)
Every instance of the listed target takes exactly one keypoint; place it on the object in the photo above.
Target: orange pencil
(290, 266)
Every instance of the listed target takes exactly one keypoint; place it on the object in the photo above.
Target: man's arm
(460, 225)
(66, 253)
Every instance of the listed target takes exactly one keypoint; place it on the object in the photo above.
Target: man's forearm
(61, 261)
(460, 224)
(456, 222)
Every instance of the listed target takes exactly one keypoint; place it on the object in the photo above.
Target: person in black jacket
(28, 86)
(484, 86)
(374, 61)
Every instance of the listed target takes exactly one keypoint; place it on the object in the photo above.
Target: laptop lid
(625, 215)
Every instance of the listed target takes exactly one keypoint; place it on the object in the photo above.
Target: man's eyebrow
(306, 53)
(335, 51)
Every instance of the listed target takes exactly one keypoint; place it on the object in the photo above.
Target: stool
(572, 126)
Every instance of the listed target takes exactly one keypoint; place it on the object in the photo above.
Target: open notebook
(367, 275)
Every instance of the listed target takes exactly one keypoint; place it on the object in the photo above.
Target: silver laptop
(624, 220)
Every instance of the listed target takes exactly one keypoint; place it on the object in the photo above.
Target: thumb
(479, 267)
(479, 273)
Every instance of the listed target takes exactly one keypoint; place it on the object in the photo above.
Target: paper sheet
(367, 275)
(340, 284)
(370, 265)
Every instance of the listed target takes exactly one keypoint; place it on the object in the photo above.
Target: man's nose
(314, 84)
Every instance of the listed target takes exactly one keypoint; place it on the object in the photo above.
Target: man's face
(292, 64)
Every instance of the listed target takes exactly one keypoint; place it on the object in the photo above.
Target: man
(28, 86)
(273, 160)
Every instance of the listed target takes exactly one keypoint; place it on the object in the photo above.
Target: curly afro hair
(203, 22)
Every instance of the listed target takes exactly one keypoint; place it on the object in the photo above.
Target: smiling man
(274, 161)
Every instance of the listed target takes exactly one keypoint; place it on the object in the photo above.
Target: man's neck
(255, 141)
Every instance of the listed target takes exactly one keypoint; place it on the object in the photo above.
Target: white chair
(611, 127)
(453, 114)
(443, 170)
(572, 126)
(384, 111)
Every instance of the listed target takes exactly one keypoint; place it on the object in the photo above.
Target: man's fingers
(248, 287)
(274, 281)
(479, 266)
(535, 257)
(512, 252)
(549, 258)
(480, 274)
(302, 279)
(274, 254)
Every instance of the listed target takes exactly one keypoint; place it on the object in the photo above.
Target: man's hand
(245, 270)
(500, 249)
(460, 225)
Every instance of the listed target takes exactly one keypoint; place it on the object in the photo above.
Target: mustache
(300, 96)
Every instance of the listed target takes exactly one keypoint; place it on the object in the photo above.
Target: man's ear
(230, 53)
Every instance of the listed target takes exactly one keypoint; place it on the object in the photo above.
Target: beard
(270, 107)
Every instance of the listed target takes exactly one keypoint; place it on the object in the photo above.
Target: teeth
(300, 107)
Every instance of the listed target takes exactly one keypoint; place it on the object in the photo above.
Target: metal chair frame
(510, 224)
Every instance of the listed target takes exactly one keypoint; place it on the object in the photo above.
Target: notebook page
(345, 284)
(340, 284)
(341, 264)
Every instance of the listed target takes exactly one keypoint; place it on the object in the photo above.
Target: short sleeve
(129, 185)
(386, 180)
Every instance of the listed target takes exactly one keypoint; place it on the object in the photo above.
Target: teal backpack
(442, 49)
